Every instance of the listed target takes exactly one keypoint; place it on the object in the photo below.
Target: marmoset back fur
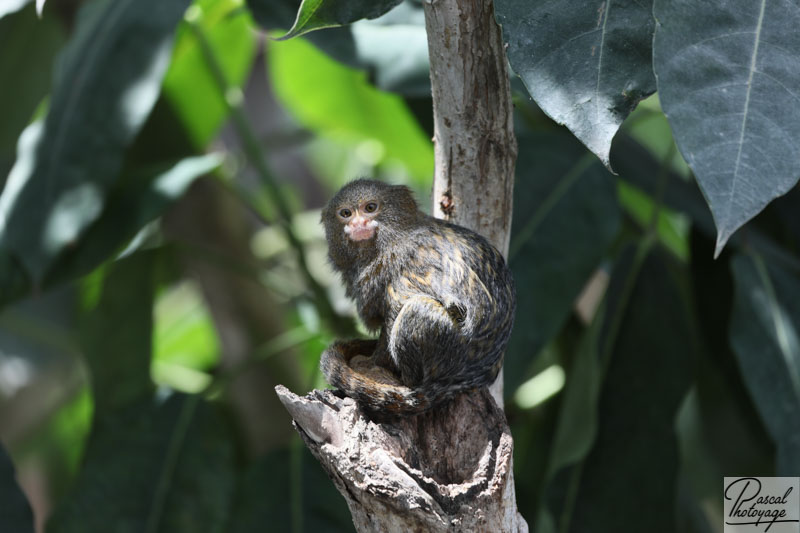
(441, 296)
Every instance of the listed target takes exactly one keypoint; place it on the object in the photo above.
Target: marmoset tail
(441, 296)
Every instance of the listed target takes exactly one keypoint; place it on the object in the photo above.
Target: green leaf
(116, 335)
(348, 110)
(156, 467)
(727, 78)
(14, 280)
(646, 356)
(765, 335)
(290, 491)
(15, 513)
(30, 46)
(562, 195)
(189, 85)
(670, 228)
(577, 419)
(138, 199)
(700, 473)
(587, 66)
(185, 345)
(316, 14)
(107, 82)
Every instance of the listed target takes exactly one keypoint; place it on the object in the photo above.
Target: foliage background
(162, 265)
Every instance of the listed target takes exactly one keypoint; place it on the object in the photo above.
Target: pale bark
(474, 142)
(439, 471)
(449, 469)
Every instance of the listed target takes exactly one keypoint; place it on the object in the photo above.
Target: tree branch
(436, 472)
(448, 469)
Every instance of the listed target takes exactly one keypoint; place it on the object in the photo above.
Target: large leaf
(156, 468)
(563, 197)
(116, 334)
(107, 82)
(15, 513)
(728, 74)
(646, 359)
(587, 66)
(189, 84)
(348, 110)
(30, 45)
(133, 203)
(316, 14)
(765, 335)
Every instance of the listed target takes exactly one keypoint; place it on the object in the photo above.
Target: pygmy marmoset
(441, 295)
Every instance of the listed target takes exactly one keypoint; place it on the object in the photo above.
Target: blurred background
(138, 357)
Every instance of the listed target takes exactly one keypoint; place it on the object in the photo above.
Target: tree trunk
(449, 469)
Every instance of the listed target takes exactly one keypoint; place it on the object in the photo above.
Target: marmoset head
(363, 214)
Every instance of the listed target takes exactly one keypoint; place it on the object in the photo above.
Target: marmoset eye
(371, 207)
(345, 213)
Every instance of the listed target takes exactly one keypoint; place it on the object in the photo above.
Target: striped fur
(441, 296)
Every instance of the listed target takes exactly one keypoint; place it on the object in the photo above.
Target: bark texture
(449, 469)
(474, 143)
(439, 471)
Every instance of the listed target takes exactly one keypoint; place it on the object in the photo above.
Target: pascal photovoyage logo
(761, 504)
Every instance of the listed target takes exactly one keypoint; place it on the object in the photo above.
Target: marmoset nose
(360, 228)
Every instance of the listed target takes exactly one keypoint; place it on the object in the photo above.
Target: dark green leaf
(132, 204)
(157, 467)
(117, 334)
(316, 14)
(699, 471)
(288, 490)
(727, 78)
(562, 195)
(646, 357)
(786, 206)
(636, 165)
(764, 333)
(577, 419)
(586, 65)
(107, 82)
(15, 513)
(274, 14)
(30, 46)
(14, 280)
(726, 410)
